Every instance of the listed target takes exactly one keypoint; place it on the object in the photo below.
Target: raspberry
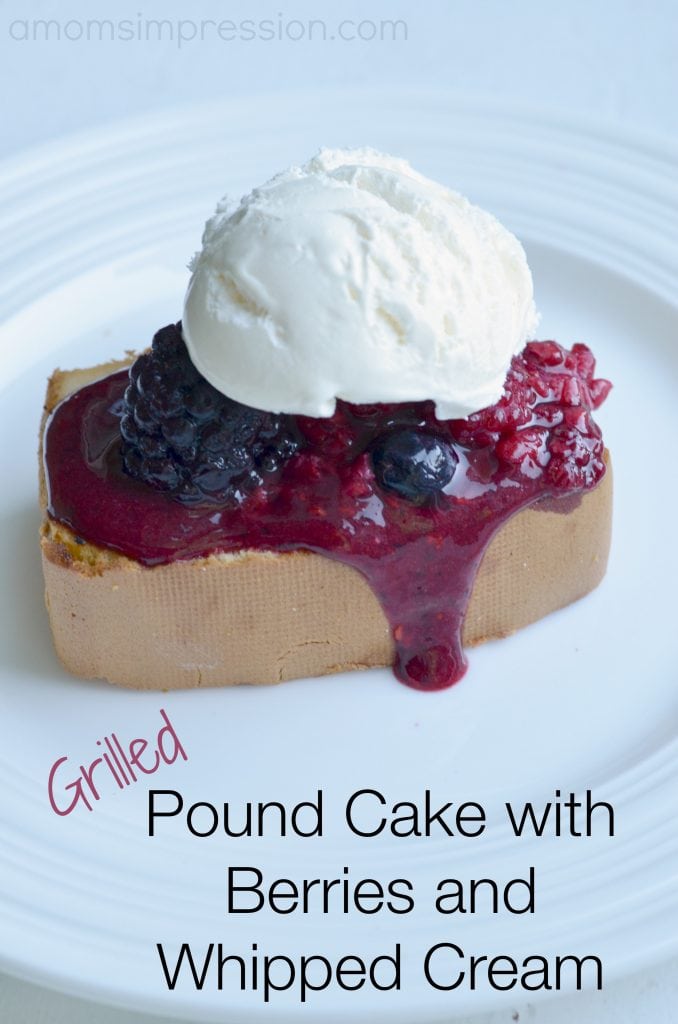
(599, 390)
(356, 478)
(576, 456)
(512, 410)
(548, 414)
(526, 449)
(583, 361)
(182, 436)
(333, 435)
(542, 422)
(547, 353)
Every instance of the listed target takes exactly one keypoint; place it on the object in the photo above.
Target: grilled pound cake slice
(264, 617)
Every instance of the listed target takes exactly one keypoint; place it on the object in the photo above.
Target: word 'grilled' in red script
(122, 762)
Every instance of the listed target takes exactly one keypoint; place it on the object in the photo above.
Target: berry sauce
(410, 501)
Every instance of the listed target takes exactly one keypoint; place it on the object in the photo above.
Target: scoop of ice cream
(356, 277)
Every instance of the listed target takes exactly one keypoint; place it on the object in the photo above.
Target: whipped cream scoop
(355, 277)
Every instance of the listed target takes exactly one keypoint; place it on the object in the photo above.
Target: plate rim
(661, 150)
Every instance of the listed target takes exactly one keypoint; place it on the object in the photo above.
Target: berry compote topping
(158, 465)
(182, 436)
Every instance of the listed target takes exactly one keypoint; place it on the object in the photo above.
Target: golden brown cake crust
(263, 617)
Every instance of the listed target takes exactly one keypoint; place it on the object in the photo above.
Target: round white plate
(96, 233)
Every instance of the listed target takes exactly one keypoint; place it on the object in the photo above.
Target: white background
(615, 59)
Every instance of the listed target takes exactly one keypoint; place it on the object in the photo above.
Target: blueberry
(182, 436)
(413, 464)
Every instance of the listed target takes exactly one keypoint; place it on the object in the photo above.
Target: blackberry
(413, 464)
(182, 436)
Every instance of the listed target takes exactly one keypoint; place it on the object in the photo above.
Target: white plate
(96, 232)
